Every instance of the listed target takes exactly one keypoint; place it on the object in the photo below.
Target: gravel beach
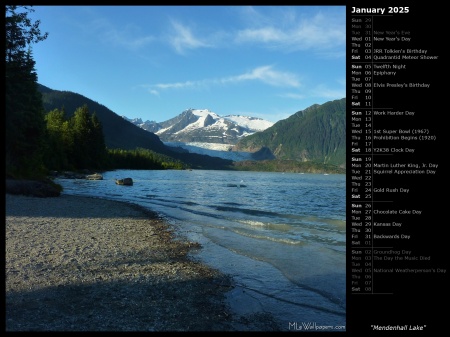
(86, 264)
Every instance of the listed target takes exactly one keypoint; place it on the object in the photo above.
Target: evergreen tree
(80, 123)
(88, 148)
(97, 143)
(24, 114)
(58, 144)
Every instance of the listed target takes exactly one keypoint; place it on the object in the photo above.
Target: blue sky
(153, 62)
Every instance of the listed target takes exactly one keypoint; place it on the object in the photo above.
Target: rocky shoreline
(85, 264)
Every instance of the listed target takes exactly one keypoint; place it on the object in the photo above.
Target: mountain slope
(317, 133)
(118, 133)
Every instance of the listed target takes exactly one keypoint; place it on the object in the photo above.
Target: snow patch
(251, 123)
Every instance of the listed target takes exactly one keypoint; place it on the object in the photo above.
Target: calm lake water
(280, 235)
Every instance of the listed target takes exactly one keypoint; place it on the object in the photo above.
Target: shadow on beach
(68, 206)
(136, 305)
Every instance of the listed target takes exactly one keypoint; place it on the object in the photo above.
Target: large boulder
(124, 181)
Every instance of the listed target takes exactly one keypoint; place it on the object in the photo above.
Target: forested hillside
(118, 132)
(316, 134)
(122, 134)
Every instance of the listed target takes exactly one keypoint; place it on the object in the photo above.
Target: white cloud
(265, 74)
(177, 85)
(183, 38)
(291, 31)
(265, 35)
(292, 95)
(127, 36)
(283, 28)
(288, 29)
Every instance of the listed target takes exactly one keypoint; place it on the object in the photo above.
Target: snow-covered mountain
(203, 126)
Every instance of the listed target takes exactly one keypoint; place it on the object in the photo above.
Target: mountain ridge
(315, 134)
(203, 126)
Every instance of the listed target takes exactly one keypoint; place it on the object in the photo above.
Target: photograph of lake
(177, 168)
